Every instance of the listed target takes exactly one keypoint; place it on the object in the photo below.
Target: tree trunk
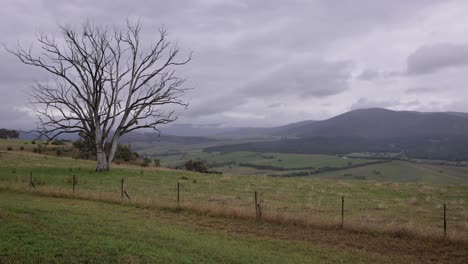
(102, 163)
(113, 148)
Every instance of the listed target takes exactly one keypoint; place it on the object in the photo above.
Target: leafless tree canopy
(105, 84)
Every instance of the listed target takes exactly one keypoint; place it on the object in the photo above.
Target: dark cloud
(433, 58)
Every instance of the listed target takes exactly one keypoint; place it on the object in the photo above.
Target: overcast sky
(264, 63)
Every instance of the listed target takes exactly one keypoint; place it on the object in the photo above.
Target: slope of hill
(383, 123)
(261, 132)
(418, 135)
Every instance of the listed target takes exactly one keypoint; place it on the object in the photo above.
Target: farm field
(239, 162)
(381, 205)
(245, 163)
(46, 229)
(64, 149)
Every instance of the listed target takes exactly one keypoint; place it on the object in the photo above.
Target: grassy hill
(378, 204)
(393, 212)
(38, 229)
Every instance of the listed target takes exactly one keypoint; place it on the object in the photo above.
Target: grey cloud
(419, 90)
(214, 106)
(275, 105)
(363, 103)
(304, 79)
(248, 55)
(312, 78)
(369, 75)
(13, 118)
(433, 58)
(13, 73)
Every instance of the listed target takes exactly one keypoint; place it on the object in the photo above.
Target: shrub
(198, 166)
(124, 153)
(38, 150)
(58, 142)
(157, 162)
(9, 148)
(21, 148)
(146, 162)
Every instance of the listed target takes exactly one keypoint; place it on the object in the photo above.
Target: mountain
(383, 123)
(366, 123)
(439, 135)
(261, 132)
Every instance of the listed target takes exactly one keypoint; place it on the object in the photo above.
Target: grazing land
(45, 229)
(378, 204)
(393, 211)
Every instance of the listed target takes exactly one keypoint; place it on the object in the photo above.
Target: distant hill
(252, 132)
(366, 123)
(383, 123)
(441, 135)
(149, 138)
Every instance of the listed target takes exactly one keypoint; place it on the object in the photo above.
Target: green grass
(38, 229)
(403, 171)
(46, 230)
(384, 203)
(279, 160)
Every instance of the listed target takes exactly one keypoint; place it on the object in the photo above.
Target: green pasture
(377, 202)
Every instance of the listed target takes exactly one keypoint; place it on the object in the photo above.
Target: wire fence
(379, 206)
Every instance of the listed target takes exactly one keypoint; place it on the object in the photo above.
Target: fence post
(259, 207)
(122, 189)
(178, 194)
(31, 183)
(256, 205)
(74, 182)
(342, 211)
(445, 221)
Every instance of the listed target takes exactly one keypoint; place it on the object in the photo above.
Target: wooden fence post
(445, 221)
(256, 207)
(74, 182)
(178, 194)
(31, 183)
(342, 211)
(122, 189)
(259, 206)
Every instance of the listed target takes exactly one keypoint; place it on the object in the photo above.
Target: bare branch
(105, 83)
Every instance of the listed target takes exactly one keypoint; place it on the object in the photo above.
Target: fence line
(258, 200)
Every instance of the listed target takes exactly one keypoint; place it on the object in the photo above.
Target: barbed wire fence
(305, 204)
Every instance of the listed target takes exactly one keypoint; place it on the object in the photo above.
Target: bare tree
(105, 84)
